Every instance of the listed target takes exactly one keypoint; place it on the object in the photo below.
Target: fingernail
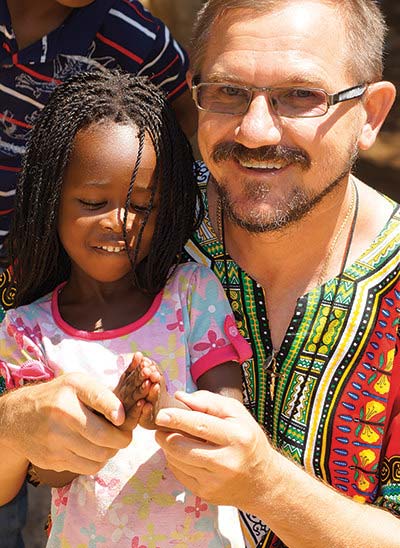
(163, 417)
(115, 415)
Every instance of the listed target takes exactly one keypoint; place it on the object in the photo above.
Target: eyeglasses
(289, 102)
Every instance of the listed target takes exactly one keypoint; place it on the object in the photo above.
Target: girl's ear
(378, 100)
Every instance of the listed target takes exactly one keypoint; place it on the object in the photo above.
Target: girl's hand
(136, 389)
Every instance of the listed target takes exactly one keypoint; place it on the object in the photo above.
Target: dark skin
(33, 19)
(100, 294)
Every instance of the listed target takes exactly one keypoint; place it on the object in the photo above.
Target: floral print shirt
(134, 501)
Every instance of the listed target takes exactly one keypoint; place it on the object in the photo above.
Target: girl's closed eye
(91, 204)
(139, 208)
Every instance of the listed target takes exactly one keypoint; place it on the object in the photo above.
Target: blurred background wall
(379, 167)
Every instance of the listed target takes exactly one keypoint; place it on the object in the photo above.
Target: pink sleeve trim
(237, 350)
(213, 359)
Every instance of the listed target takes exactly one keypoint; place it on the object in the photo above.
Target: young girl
(105, 203)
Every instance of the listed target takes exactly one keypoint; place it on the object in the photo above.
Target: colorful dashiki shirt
(345, 428)
(134, 500)
(106, 33)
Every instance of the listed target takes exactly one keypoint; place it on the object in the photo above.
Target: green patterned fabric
(343, 386)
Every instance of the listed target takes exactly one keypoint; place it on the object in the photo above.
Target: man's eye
(232, 91)
(87, 204)
(301, 93)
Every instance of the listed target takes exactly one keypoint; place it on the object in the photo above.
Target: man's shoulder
(202, 177)
(203, 247)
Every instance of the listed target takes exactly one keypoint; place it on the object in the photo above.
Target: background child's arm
(224, 379)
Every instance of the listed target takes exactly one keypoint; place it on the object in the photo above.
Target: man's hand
(53, 424)
(236, 465)
(232, 459)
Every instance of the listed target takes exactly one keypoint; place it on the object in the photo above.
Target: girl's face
(93, 197)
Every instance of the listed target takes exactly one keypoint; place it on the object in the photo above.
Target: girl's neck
(93, 306)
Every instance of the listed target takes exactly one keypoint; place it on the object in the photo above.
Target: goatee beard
(287, 211)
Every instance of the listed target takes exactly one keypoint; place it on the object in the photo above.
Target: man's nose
(259, 126)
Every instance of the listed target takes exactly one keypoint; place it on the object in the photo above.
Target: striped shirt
(111, 33)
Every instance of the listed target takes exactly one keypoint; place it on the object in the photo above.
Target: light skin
(302, 43)
(99, 295)
(33, 19)
(234, 464)
(290, 47)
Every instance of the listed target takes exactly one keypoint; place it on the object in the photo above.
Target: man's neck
(288, 263)
(294, 256)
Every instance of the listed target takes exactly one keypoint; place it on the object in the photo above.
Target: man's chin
(257, 222)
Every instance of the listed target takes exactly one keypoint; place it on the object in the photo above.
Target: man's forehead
(299, 33)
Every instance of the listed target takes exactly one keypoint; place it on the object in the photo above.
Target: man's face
(271, 170)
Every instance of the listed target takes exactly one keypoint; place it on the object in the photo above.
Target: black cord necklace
(270, 363)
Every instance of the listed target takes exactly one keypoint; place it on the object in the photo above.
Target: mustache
(236, 151)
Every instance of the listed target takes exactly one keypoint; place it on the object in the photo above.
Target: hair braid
(40, 261)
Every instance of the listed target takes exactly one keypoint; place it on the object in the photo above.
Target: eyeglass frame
(331, 98)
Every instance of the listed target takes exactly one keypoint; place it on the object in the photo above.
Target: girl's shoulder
(190, 276)
(33, 312)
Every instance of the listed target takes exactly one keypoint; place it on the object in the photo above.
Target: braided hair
(39, 260)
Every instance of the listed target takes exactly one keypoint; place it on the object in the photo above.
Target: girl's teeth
(112, 249)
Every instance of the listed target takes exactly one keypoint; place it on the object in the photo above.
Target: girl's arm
(224, 379)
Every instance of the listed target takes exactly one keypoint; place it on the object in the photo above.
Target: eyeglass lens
(291, 102)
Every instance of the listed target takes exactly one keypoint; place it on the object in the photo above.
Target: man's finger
(100, 432)
(211, 403)
(197, 424)
(73, 462)
(100, 398)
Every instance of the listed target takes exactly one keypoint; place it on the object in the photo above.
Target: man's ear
(189, 77)
(377, 102)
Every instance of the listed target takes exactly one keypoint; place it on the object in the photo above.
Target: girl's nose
(113, 220)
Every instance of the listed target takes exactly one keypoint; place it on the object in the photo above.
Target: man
(316, 249)
(288, 92)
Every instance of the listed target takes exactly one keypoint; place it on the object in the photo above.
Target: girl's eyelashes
(141, 208)
(92, 205)
(137, 208)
